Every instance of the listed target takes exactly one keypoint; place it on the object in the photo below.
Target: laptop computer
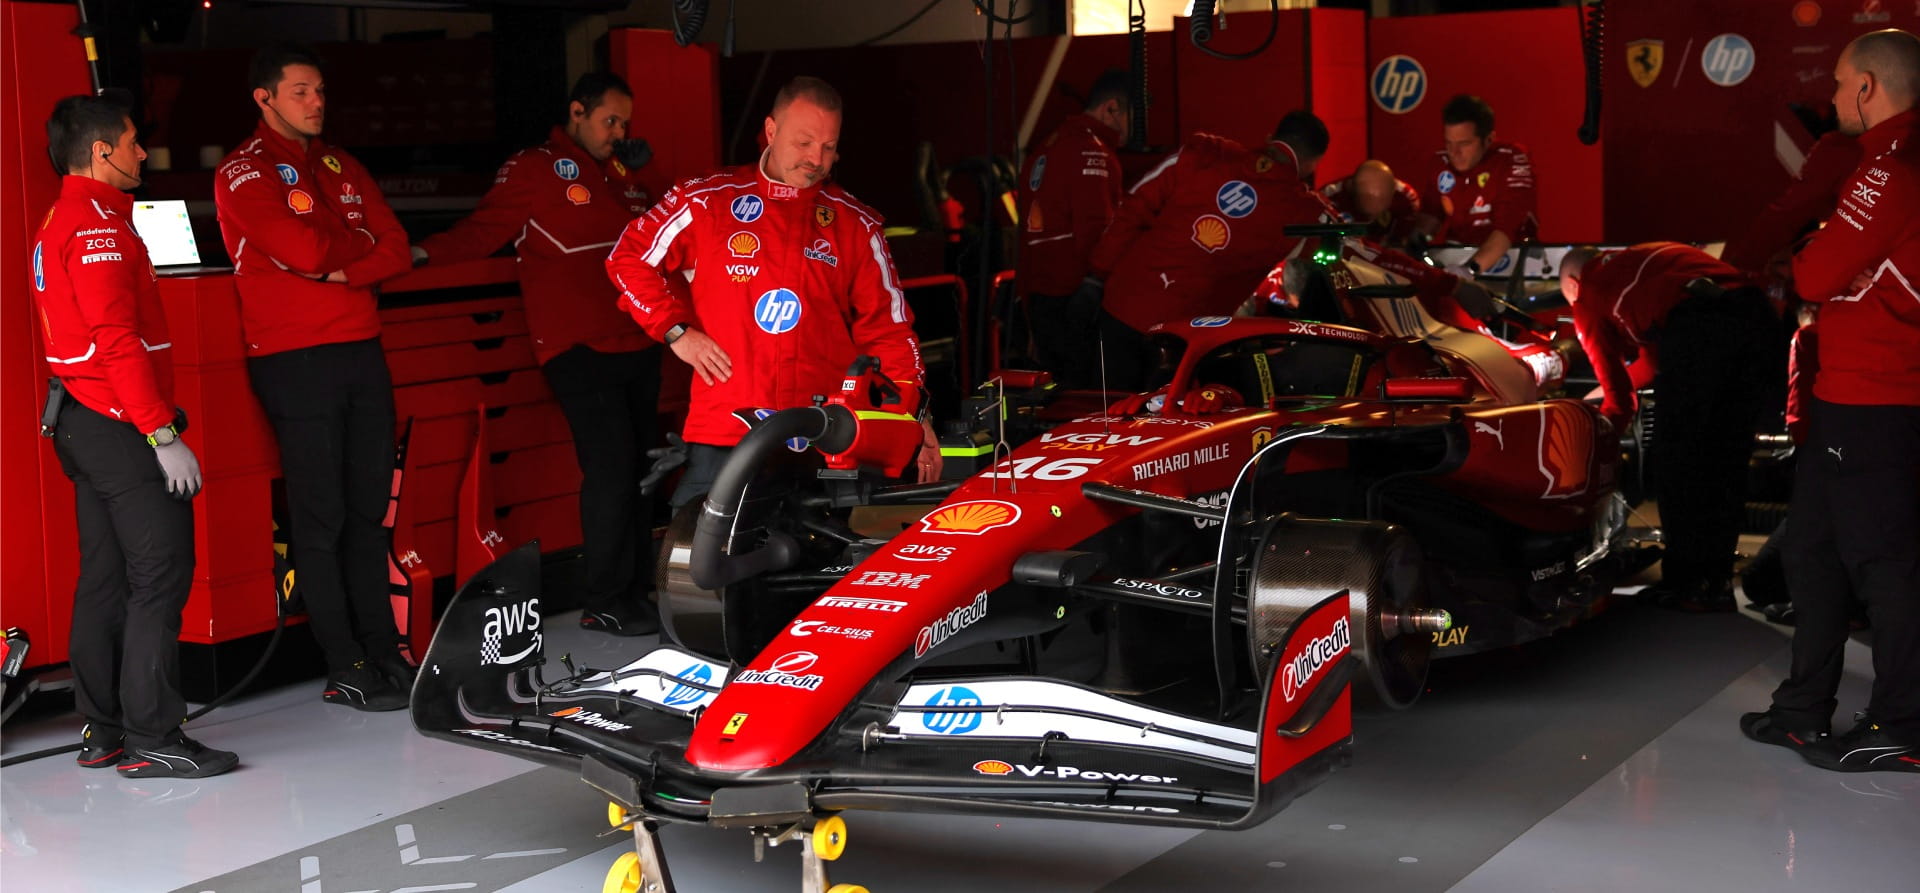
(168, 232)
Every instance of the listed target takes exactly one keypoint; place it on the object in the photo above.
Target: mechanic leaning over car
(116, 431)
(310, 236)
(1197, 234)
(1478, 191)
(794, 282)
(1072, 187)
(1710, 333)
(1374, 196)
(565, 203)
(1854, 530)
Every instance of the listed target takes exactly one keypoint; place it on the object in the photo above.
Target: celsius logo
(944, 628)
(786, 671)
(682, 695)
(777, 311)
(521, 621)
(1727, 59)
(956, 722)
(1399, 83)
(748, 208)
(1311, 660)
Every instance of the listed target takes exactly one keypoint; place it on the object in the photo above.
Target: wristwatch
(1473, 266)
(674, 333)
(162, 436)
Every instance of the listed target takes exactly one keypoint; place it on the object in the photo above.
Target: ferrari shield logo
(1643, 60)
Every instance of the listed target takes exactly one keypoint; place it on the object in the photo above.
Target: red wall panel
(1527, 65)
(1242, 99)
(676, 103)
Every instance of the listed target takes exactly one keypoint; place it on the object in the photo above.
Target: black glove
(665, 460)
(1084, 303)
(633, 153)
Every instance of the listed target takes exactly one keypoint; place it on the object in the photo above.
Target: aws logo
(508, 627)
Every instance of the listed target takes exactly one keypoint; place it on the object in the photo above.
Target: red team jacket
(564, 212)
(1625, 297)
(1807, 201)
(99, 306)
(792, 283)
(288, 214)
(1870, 338)
(1199, 232)
(1072, 187)
(1395, 227)
(1496, 195)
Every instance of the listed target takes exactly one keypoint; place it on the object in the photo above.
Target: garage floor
(1605, 759)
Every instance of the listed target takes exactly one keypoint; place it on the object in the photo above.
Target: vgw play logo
(1398, 84)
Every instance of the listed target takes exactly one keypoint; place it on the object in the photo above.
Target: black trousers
(1855, 533)
(1719, 360)
(136, 569)
(704, 462)
(1065, 340)
(332, 409)
(611, 401)
(1130, 358)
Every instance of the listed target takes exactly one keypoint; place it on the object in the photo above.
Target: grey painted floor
(1605, 759)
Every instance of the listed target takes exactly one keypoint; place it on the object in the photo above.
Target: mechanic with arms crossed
(1711, 334)
(1480, 192)
(310, 236)
(1198, 234)
(1855, 530)
(116, 432)
(1072, 187)
(793, 282)
(564, 203)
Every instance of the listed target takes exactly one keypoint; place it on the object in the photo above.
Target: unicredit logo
(786, 671)
(943, 629)
(795, 661)
(1317, 655)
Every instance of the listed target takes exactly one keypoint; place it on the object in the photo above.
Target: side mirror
(1448, 389)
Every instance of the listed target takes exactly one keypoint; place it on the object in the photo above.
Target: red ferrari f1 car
(1157, 613)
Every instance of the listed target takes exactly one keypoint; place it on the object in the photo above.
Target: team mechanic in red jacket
(1809, 199)
(1198, 234)
(793, 282)
(562, 204)
(1072, 186)
(1374, 196)
(116, 433)
(1719, 365)
(1479, 191)
(310, 235)
(1855, 518)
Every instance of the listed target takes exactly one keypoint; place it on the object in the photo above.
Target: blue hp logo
(566, 169)
(747, 208)
(1727, 59)
(1399, 83)
(952, 723)
(777, 311)
(39, 270)
(1039, 171)
(1444, 182)
(1236, 199)
(1210, 322)
(288, 175)
(682, 695)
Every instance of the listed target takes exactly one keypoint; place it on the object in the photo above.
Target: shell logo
(993, 767)
(578, 194)
(972, 518)
(744, 244)
(1563, 451)
(1211, 233)
(299, 201)
(1036, 222)
(567, 712)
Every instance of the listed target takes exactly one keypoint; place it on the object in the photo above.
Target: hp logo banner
(1399, 83)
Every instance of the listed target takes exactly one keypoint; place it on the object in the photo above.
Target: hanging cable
(1136, 136)
(986, 9)
(1593, 46)
(900, 27)
(1200, 28)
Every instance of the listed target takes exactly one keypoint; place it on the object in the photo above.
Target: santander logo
(1318, 654)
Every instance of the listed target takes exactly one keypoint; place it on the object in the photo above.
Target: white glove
(181, 468)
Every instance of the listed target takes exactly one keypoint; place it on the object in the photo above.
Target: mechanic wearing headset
(116, 432)
(564, 204)
(1478, 191)
(793, 282)
(1072, 186)
(1197, 235)
(1856, 494)
(1374, 196)
(1713, 332)
(310, 235)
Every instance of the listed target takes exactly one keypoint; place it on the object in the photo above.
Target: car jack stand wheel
(624, 876)
(645, 869)
(825, 844)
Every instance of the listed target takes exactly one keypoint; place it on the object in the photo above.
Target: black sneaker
(363, 688)
(396, 669)
(1694, 598)
(100, 748)
(1867, 747)
(622, 621)
(1770, 728)
(181, 758)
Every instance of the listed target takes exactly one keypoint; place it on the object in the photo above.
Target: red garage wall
(1527, 65)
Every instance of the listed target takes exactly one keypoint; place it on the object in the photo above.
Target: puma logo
(1483, 427)
(1836, 454)
(1166, 281)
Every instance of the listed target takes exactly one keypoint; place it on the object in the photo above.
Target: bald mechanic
(1198, 234)
(1374, 196)
(793, 283)
(1855, 531)
(1713, 332)
(1480, 191)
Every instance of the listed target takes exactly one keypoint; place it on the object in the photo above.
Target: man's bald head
(1373, 188)
(1877, 77)
(1571, 266)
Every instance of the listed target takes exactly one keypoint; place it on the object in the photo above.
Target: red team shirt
(1394, 227)
(1497, 194)
(1072, 186)
(1625, 297)
(1807, 201)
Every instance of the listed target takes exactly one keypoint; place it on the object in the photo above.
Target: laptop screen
(168, 232)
